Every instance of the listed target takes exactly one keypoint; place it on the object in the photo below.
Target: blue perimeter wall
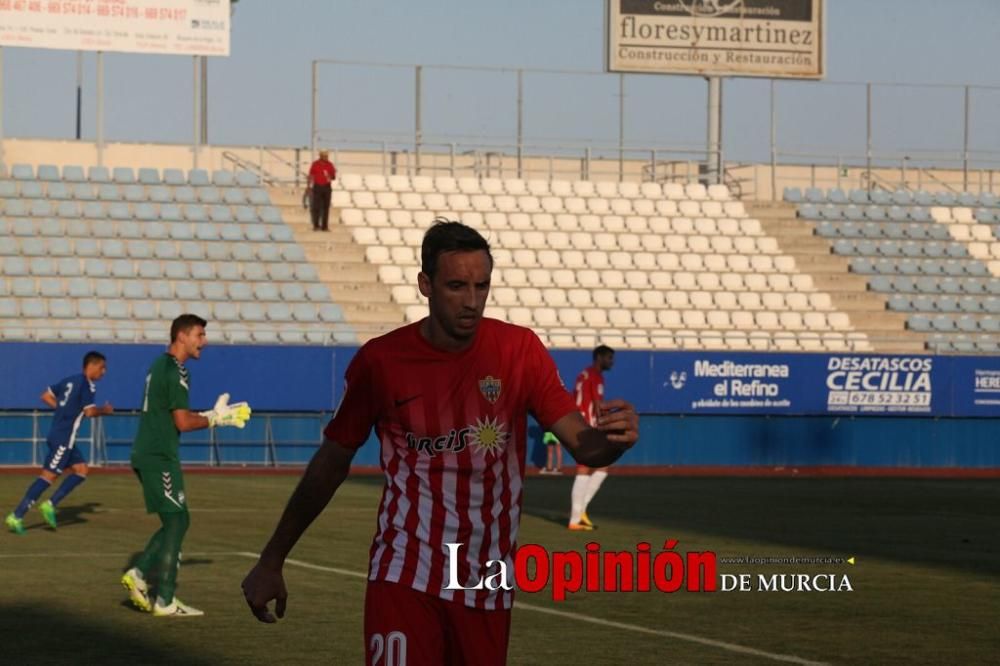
(309, 379)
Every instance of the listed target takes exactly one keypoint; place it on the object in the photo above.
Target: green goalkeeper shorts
(162, 487)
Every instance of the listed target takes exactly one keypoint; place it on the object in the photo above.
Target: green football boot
(48, 511)
(14, 524)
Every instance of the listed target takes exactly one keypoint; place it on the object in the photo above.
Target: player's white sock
(596, 479)
(578, 497)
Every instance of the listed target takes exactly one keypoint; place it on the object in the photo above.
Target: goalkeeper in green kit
(156, 462)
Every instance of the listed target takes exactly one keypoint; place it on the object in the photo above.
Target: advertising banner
(773, 38)
(181, 27)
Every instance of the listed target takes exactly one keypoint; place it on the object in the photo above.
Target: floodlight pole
(1, 105)
(79, 93)
(100, 108)
(714, 129)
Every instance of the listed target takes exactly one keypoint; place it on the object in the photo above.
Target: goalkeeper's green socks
(175, 525)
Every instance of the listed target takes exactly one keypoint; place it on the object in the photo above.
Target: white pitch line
(722, 645)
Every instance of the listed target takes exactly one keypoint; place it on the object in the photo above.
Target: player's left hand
(262, 585)
(107, 409)
(224, 414)
(619, 420)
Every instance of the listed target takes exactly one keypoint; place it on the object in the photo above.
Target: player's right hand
(224, 414)
(262, 585)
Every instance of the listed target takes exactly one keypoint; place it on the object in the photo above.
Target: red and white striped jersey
(453, 431)
(588, 392)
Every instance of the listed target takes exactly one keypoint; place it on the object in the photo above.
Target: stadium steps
(340, 262)
(849, 292)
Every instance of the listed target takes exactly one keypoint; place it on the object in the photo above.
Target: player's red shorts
(406, 627)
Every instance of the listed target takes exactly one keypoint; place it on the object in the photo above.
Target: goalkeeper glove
(224, 414)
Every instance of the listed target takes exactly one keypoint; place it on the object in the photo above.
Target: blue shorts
(62, 456)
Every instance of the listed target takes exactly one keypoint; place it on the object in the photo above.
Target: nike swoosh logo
(400, 403)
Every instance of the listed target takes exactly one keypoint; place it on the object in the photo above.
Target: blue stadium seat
(223, 178)
(881, 283)
(831, 212)
(897, 213)
(919, 214)
(115, 309)
(165, 250)
(160, 194)
(814, 195)
(144, 310)
(920, 323)
(15, 208)
(991, 304)
(234, 197)
(293, 254)
(889, 248)
(139, 249)
(240, 291)
(34, 308)
(854, 213)
(73, 173)
(189, 291)
(51, 227)
(306, 273)
(181, 231)
(94, 267)
(265, 291)
(176, 270)
(329, 312)
(207, 232)
(195, 213)
(907, 267)
(48, 172)
(247, 179)
(155, 230)
(318, 293)
(22, 172)
(185, 194)
(900, 303)
(305, 312)
(258, 197)
(149, 176)
(98, 174)
(990, 324)
(245, 214)
(174, 177)
(209, 195)
(8, 189)
(109, 192)
(875, 212)
(943, 323)
(292, 291)
(880, 197)
(922, 198)
(281, 272)
(23, 287)
(862, 265)
(933, 249)
(32, 189)
(894, 231)
(256, 233)
(198, 177)
(270, 215)
(976, 269)
(214, 291)
(41, 208)
(149, 270)
(171, 212)
(902, 197)
(837, 196)
(70, 267)
(78, 288)
(123, 175)
(229, 271)
(988, 199)
(279, 312)
(944, 199)
(146, 212)
(985, 216)
(950, 285)
(969, 304)
(191, 251)
(967, 199)
(58, 191)
(255, 272)
(135, 193)
(281, 233)
(84, 192)
(859, 197)
(226, 312)
(231, 232)
(946, 303)
(221, 214)
(119, 210)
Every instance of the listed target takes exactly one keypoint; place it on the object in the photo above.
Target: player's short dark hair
(602, 350)
(185, 323)
(449, 236)
(92, 357)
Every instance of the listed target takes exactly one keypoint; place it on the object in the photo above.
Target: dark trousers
(319, 207)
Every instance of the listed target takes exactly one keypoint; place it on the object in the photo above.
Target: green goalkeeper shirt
(158, 439)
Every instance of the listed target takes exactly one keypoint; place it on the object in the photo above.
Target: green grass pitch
(926, 579)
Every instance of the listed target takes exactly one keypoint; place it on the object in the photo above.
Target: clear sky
(261, 93)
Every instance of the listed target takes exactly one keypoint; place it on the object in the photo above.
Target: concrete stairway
(353, 282)
(831, 273)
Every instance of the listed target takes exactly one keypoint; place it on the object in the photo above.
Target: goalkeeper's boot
(585, 520)
(176, 608)
(580, 527)
(48, 511)
(138, 589)
(14, 524)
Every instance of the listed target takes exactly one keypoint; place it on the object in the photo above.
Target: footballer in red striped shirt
(449, 398)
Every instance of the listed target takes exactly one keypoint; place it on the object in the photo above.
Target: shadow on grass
(942, 523)
(67, 516)
(40, 634)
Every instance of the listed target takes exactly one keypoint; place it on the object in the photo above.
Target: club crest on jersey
(489, 386)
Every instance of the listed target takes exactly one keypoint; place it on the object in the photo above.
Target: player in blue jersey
(72, 398)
